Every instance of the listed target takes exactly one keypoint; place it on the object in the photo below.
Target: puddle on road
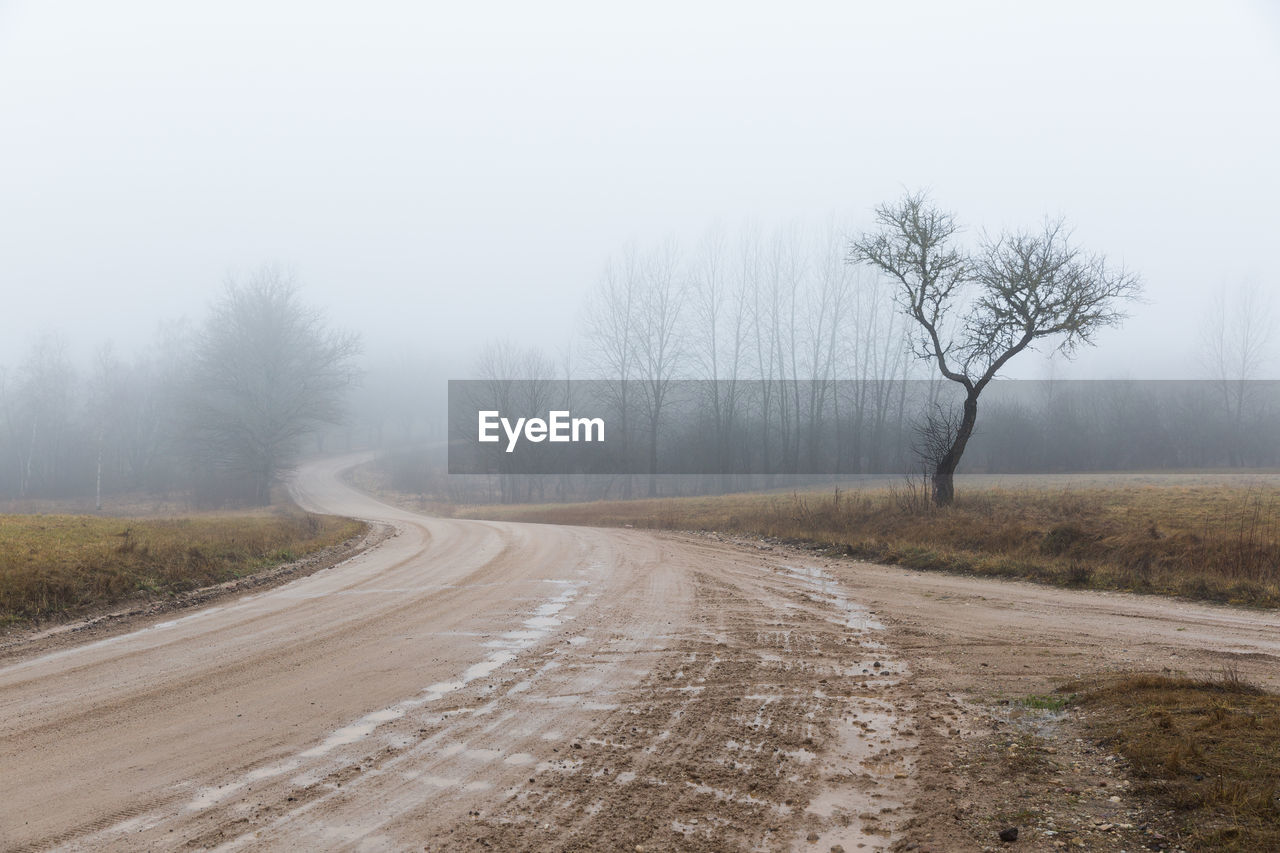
(869, 761)
(358, 730)
(853, 615)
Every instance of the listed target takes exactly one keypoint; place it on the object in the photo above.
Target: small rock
(1009, 834)
(837, 848)
(811, 837)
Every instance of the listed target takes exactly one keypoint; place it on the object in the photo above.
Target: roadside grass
(1210, 542)
(1207, 750)
(54, 565)
(1035, 702)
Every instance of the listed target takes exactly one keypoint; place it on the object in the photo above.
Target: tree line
(808, 340)
(811, 337)
(774, 317)
(1028, 426)
(219, 409)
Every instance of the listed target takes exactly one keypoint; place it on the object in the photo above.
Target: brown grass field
(54, 565)
(1197, 537)
(1206, 750)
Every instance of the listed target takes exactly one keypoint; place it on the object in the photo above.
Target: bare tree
(718, 308)
(42, 416)
(786, 268)
(934, 433)
(517, 380)
(659, 348)
(266, 371)
(878, 351)
(106, 391)
(828, 301)
(1238, 332)
(1236, 349)
(975, 312)
(611, 318)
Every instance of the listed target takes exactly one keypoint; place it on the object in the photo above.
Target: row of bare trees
(771, 308)
(64, 430)
(1029, 426)
(793, 310)
(780, 310)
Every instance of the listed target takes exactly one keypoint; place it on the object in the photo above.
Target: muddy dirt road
(481, 685)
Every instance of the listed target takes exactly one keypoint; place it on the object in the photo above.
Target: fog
(512, 191)
(438, 175)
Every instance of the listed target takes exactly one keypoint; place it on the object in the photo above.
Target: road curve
(521, 686)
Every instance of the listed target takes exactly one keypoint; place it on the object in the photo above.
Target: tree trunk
(263, 488)
(944, 488)
(653, 458)
(626, 443)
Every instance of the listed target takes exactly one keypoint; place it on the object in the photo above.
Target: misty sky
(443, 173)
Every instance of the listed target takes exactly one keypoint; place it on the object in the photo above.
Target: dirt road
(482, 685)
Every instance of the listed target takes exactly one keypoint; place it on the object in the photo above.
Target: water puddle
(852, 615)
(869, 760)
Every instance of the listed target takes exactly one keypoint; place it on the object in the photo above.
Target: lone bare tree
(976, 311)
(266, 371)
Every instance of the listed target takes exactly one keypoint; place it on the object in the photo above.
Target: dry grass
(1206, 749)
(1211, 542)
(55, 564)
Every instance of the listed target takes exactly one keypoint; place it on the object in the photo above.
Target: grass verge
(56, 565)
(1217, 543)
(1206, 750)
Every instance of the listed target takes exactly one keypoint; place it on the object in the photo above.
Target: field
(54, 565)
(1207, 537)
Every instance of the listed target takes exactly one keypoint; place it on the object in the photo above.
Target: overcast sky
(442, 173)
